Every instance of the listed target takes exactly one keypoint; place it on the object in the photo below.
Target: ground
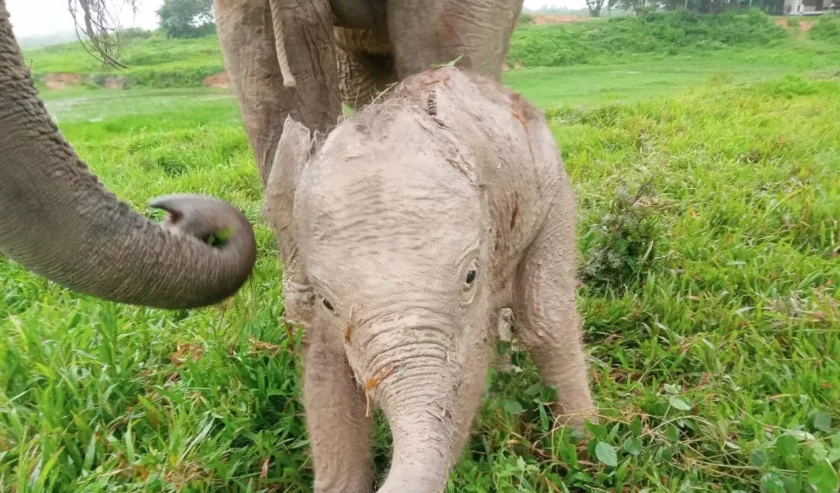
(709, 196)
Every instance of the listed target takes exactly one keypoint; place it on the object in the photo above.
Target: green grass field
(688, 44)
(709, 198)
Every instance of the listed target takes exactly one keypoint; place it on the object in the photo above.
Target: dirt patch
(558, 19)
(804, 26)
(217, 80)
(61, 80)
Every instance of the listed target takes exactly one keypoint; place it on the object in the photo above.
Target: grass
(644, 79)
(606, 41)
(710, 251)
(151, 62)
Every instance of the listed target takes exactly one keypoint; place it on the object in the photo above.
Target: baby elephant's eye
(328, 305)
(470, 286)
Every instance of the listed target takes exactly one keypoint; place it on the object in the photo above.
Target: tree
(186, 18)
(595, 7)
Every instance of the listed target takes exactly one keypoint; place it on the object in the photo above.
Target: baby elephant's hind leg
(547, 321)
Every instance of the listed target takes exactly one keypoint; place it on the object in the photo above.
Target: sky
(42, 17)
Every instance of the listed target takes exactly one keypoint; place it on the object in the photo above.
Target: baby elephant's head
(392, 232)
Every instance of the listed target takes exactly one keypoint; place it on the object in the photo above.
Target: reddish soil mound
(558, 19)
(61, 80)
(57, 81)
(804, 26)
(217, 80)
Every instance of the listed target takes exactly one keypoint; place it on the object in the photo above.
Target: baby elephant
(404, 233)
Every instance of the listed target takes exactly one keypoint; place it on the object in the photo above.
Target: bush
(793, 22)
(827, 29)
(135, 33)
(525, 18)
(178, 77)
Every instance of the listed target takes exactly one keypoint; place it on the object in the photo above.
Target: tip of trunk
(423, 454)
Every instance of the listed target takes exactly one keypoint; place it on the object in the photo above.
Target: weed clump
(621, 245)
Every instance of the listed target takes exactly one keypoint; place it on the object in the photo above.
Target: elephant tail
(280, 45)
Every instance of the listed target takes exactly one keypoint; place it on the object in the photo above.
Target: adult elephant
(303, 58)
(57, 220)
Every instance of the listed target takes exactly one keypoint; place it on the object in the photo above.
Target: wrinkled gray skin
(347, 50)
(58, 221)
(404, 234)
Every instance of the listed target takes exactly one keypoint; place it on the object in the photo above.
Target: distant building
(804, 7)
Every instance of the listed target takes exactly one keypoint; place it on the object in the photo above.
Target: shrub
(827, 29)
(525, 18)
(135, 33)
(620, 247)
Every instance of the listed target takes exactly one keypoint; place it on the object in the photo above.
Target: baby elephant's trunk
(422, 452)
(431, 389)
(413, 377)
(418, 407)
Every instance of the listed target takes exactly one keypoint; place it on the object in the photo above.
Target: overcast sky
(40, 17)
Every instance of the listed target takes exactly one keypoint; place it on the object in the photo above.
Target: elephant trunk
(423, 456)
(57, 220)
(411, 370)
(430, 414)
(419, 408)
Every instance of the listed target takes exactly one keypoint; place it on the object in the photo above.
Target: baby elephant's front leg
(339, 432)
(547, 319)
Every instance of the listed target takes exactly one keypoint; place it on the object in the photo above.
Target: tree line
(186, 18)
(771, 7)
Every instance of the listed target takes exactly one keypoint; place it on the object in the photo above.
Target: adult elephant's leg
(426, 32)
(361, 77)
(247, 37)
(365, 65)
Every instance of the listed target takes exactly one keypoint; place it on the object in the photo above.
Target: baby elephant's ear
(293, 152)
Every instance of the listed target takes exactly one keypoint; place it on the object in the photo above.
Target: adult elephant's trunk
(57, 220)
